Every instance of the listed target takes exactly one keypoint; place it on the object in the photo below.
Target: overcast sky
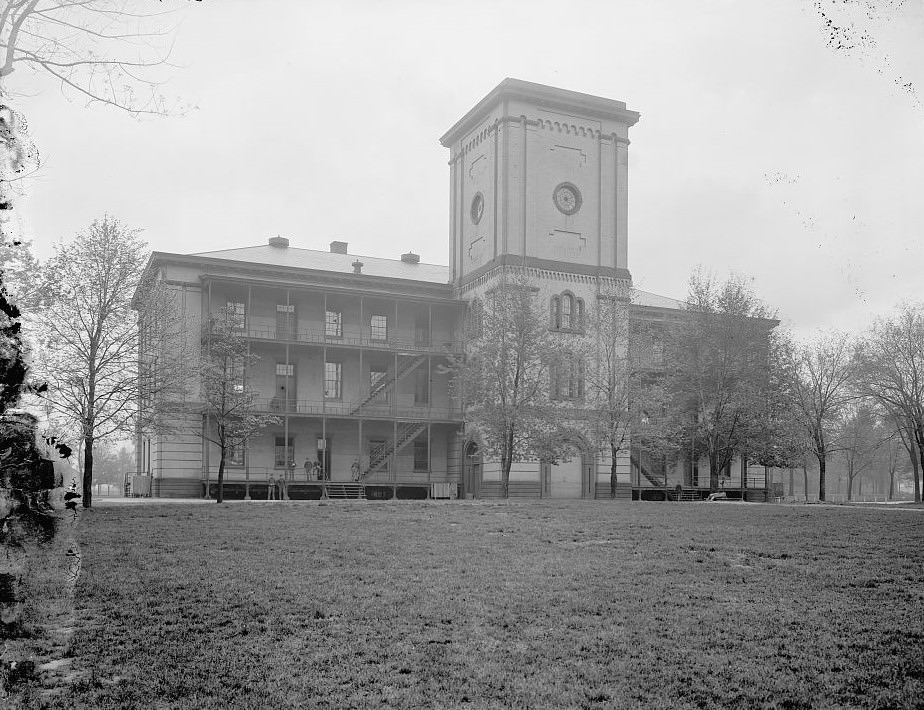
(762, 148)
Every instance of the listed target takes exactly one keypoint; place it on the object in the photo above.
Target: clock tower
(538, 179)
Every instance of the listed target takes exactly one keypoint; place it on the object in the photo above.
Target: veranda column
(206, 424)
(246, 374)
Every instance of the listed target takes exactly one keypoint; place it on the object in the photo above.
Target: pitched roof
(646, 298)
(330, 261)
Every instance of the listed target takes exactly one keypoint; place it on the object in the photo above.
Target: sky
(781, 141)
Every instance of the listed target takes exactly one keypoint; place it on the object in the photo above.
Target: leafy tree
(818, 376)
(505, 380)
(718, 372)
(88, 352)
(861, 438)
(229, 403)
(890, 366)
(21, 273)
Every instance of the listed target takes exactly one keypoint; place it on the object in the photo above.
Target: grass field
(533, 605)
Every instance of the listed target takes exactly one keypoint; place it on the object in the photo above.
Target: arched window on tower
(567, 309)
(579, 314)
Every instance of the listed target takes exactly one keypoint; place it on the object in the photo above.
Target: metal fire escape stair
(405, 367)
(670, 493)
(381, 454)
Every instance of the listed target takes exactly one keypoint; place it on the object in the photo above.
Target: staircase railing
(380, 455)
(405, 367)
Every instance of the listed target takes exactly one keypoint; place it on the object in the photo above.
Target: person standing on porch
(309, 469)
(271, 488)
(354, 470)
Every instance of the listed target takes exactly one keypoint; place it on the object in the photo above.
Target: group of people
(314, 471)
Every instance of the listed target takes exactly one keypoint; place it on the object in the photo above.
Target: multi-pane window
(333, 324)
(421, 386)
(377, 387)
(285, 321)
(379, 326)
(422, 331)
(567, 303)
(568, 380)
(237, 314)
(285, 370)
(234, 455)
(421, 455)
(333, 380)
(567, 312)
(283, 452)
(657, 354)
(234, 372)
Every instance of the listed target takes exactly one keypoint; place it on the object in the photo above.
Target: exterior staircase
(656, 482)
(381, 454)
(675, 494)
(405, 367)
(356, 491)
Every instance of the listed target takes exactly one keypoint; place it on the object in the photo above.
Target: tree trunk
(713, 472)
(821, 476)
(87, 471)
(506, 462)
(804, 481)
(221, 477)
(916, 470)
(613, 453)
(849, 485)
(791, 482)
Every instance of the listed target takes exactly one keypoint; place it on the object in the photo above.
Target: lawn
(474, 604)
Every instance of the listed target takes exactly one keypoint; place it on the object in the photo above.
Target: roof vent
(280, 242)
(338, 247)
(357, 267)
(410, 258)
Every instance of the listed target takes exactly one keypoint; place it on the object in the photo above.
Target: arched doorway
(471, 470)
(571, 477)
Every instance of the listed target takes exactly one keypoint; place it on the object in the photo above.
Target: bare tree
(229, 403)
(103, 50)
(610, 377)
(819, 378)
(717, 374)
(890, 365)
(505, 378)
(87, 338)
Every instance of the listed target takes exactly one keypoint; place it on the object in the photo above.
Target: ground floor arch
(572, 475)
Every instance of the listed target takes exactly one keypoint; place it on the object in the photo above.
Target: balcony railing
(319, 336)
(342, 408)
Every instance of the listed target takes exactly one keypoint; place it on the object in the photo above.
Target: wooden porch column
(247, 374)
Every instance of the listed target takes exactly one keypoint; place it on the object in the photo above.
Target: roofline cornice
(287, 276)
(546, 96)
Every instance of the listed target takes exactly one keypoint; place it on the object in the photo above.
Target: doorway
(471, 470)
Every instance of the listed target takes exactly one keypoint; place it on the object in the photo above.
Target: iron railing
(319, 336)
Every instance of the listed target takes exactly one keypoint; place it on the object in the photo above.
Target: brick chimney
(338, 247)
(357, 267)
(279, 242)
(410, 258)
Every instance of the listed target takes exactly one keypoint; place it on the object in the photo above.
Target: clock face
(567, 198)
(477, 207)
